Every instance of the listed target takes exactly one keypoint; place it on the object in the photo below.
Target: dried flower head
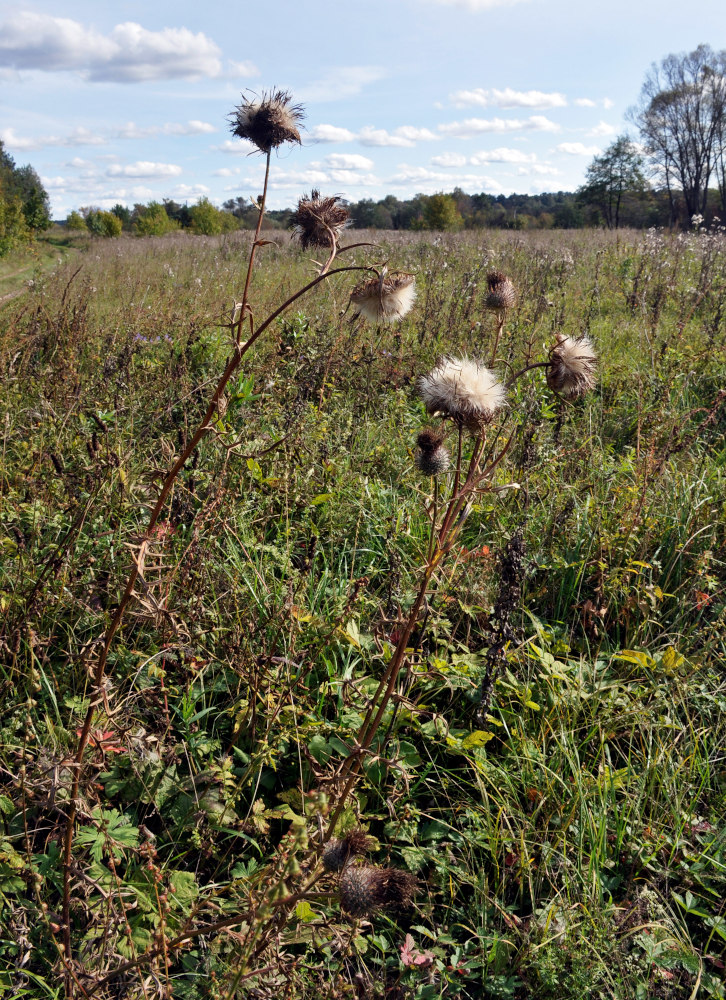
(463, 390)
(501, 292)
(384, 299)
(572, 366)
(269, 121)
(337, 852)
(431, 458)
(364, 889)
(318, 222)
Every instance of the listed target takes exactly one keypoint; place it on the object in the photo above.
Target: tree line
(24, 203)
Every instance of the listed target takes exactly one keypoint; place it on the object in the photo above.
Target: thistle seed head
(318, 222)
(463, 390)
(502, 295)
(337, 853)
(364, 889)
(269, 121)
(384, 299)
(572, 366)
(431, 457)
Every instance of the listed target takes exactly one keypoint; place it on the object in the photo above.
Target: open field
(568, 843)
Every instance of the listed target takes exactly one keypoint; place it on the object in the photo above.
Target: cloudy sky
(127, 101)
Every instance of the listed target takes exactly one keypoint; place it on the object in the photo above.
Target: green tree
(440, 212)
(14, 230)
(103, 223)
(76, 221)
(153, 220)
(208, 220)
(617, 172)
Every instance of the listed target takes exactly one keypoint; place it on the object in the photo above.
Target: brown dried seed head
(364, 889)
(572, 366)
(269, 121)
(431, 458)
(319, 221)
(502, 295)
(337, 853)
(384, 299)
(463, 390)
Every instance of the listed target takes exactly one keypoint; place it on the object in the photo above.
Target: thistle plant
(267, 122)
(469, 395)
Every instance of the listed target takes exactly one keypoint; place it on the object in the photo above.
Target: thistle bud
(501, 294)
(431, 457)
(364, 889)
(337, 853)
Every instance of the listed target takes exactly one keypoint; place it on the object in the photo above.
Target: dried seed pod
(319, 221)
(337, 853)
(364, 889)
(502, 295)
(384, 299)
(572, 366)
(467, 392)
(431, 457)
(269, 121)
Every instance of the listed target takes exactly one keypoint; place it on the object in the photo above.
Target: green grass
(571, 844)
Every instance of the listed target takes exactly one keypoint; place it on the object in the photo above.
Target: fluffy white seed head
(385, 299)
(462, 389)
(572, 367)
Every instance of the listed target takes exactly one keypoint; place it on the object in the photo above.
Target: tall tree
(618, 171)
(680, 117)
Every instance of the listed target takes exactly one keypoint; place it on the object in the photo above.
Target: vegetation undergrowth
(567, 840)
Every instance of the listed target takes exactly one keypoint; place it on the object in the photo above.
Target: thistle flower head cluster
(269, 121)
(501, 295)
(431, 457)
(384, 299)
(318, 222)
(463, 390)
(364, 889)
(338, 852)
(572, 366)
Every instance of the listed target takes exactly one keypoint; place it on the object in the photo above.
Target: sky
(128, 101)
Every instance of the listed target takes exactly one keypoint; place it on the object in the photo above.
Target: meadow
(568, 840)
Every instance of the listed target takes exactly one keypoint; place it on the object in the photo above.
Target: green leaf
(305, 912)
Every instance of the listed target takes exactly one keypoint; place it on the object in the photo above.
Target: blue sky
(127, 101)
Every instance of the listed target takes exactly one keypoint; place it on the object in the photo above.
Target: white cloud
(415, 134)
(340, 83)
(144, 168)
(132, 131)
(585, 102)
(78, 137)
(348, 161)
(507, 98)
(370, 136)
(476, 126)
(54, 183)
(578, 149)
(225, 172)
(78, 162)
(607, 103)
(502, 155)
(245, 68)
(189, 190)
(128, 54)
(428, 180)
(538, 168)
(602, 129)
(235, 146)
(330, 133)
(449, 160)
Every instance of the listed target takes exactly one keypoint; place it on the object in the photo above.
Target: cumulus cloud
(330, 133)
(348, 161)
(340, 83)
(585, 102)
(194, 127)
(78, 137)
(449, 160)
(476, 126)
(427, 180)
(507, 98)
(370, 136)
(607, 103)
(144, 168)
(500, 155)
(243, 69)
(578, 149)
(129, 53)
(602, 129)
